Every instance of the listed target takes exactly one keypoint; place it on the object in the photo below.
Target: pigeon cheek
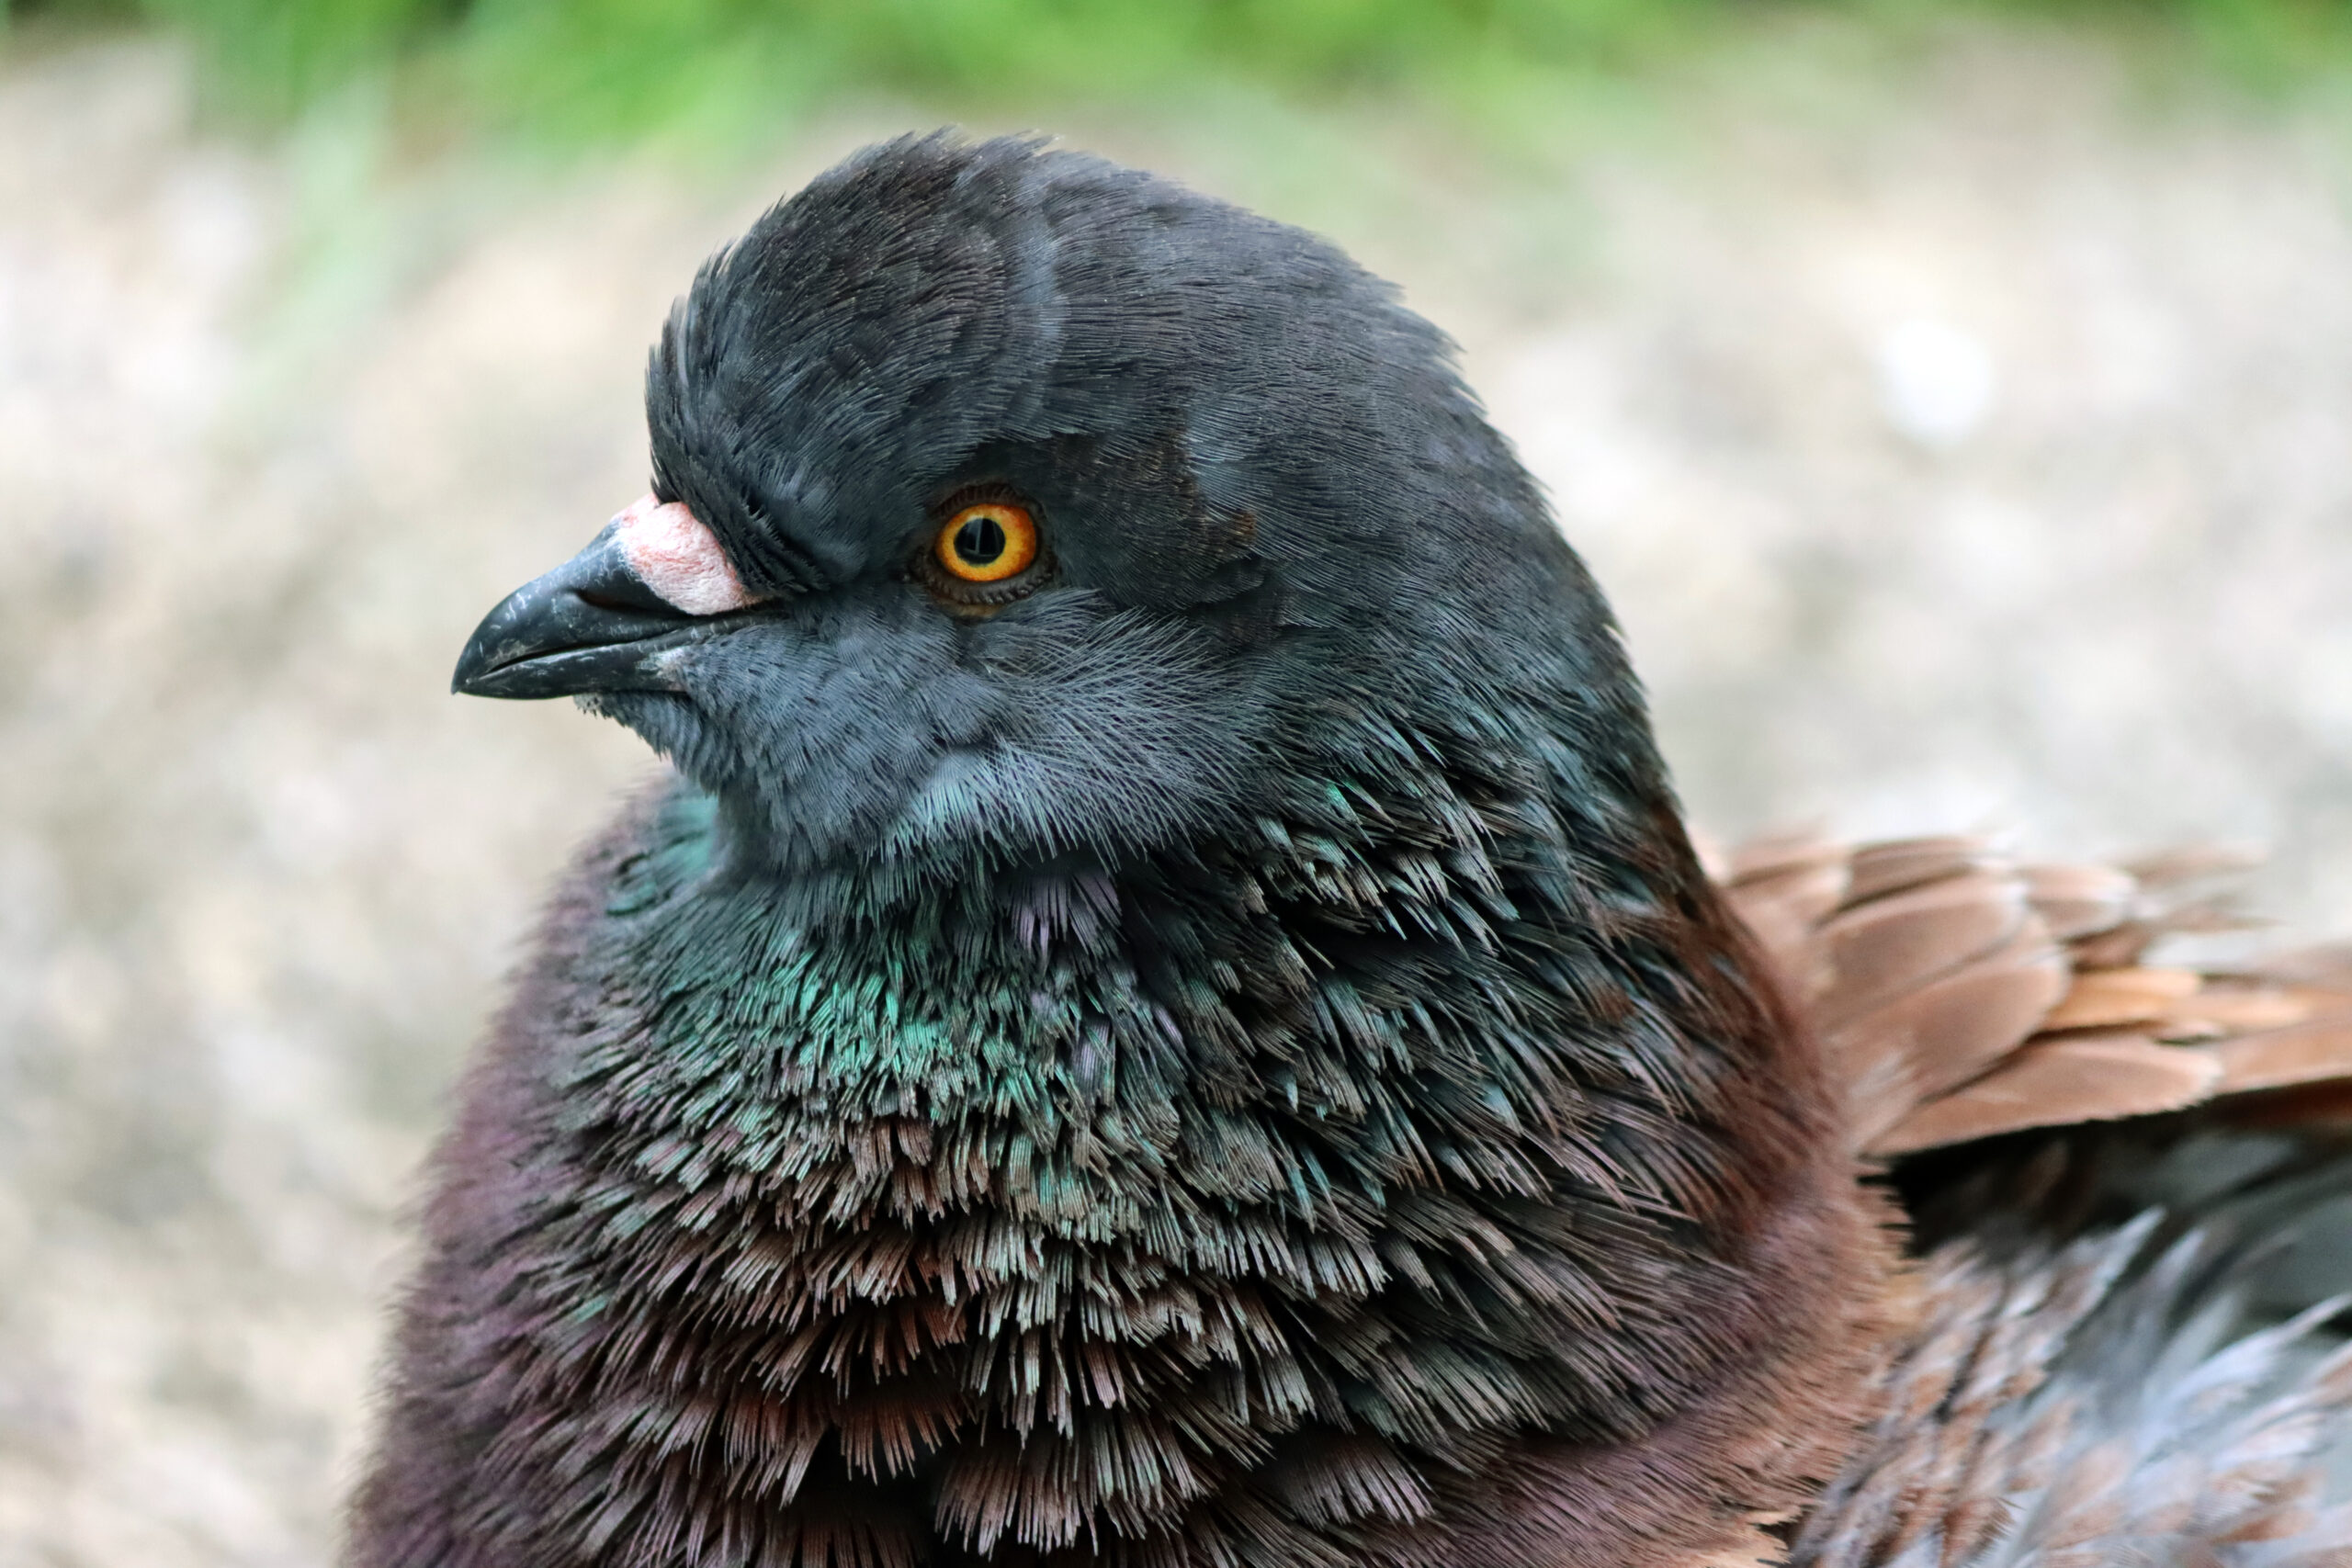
(676, 554)
(824, 717)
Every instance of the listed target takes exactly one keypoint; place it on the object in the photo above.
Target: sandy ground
(1963, 436)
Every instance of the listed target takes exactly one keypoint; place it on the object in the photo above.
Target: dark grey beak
(589, 625)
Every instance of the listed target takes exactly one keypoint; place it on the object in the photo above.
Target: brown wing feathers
(1961, 996)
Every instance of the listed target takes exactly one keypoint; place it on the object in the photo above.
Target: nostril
(618, 605)
(616, 593)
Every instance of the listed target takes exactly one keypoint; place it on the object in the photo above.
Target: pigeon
(1163, 1012)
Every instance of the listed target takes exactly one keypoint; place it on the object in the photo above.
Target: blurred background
(1956, 397)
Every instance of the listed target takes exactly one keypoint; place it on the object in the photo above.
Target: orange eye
(988, 543)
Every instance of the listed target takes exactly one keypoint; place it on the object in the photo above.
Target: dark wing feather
(2121, 1397)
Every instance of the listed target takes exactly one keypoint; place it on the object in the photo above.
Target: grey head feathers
(1263, 487)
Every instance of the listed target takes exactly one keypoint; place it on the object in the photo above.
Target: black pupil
(980, 540)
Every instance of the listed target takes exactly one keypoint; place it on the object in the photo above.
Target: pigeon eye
(988, 542)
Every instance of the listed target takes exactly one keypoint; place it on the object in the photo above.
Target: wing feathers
(1937, 1037)
(2083, 1077)
(2077, 900)
(2280, 1058)
(1891, 867)
(1959, 996)
(1882, 948)
(2106, 999)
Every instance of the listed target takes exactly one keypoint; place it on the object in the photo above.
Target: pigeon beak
(596, 623)
(585, 626)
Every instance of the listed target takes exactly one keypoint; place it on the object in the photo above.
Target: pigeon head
(1007, 503)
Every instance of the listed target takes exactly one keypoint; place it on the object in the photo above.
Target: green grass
(574, 72)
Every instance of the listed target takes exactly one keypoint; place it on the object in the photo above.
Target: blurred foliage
(588, 71)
